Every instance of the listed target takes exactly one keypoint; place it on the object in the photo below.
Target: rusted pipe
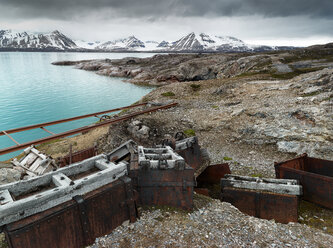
(20, 129)
(82, 129)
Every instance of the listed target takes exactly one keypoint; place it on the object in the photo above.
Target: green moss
(227, 158)
(316, 216)
(284, 76)
(145, 99)
(169, 93)
(296, 72)
(310, 55)
(195, 87)
(215, 107)
(311, 94)
(3, 243)
(247, 74)
(257, 175)
(330, 98)
(189, 132)
(48, 143)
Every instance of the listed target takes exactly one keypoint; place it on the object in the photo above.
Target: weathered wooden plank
(289, 187)
(5, 197)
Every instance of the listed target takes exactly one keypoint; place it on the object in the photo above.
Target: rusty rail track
(42, 125)
(77, 130)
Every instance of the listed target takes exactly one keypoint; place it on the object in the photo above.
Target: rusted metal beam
(83, 129)
(5, 133)
(20, 129)
(43, 128)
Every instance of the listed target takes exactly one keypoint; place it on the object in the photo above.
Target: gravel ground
(216, 224)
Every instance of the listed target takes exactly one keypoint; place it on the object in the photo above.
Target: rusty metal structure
(74, 157)
(159, 175)
(209, 181)
(192, 153)
(69, 207)
(123, 152)
(315, 175)
(54, 136)
(276, 199)
(162, 177)
(213, 174)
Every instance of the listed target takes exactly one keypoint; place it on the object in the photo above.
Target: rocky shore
(249, 110)
(162, 69)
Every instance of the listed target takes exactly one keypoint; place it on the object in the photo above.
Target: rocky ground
(250, 120)
(214, 224)
(249, 110)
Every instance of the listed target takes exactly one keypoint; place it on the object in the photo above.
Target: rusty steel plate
(266, 205)
(168, 187)
(315, 175)
(77, 156)
(78, 222)
(213, 174)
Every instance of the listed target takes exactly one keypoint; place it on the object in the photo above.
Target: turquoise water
(34, 91)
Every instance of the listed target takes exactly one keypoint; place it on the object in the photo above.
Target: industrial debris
(54, 136)
(93, 194)
(162, 177)
(262, 197)
(74, 157)
(89, 198)
(35, 163)
(315, 175)
(190, 150)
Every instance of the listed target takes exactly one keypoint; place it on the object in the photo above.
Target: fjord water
(32, 91)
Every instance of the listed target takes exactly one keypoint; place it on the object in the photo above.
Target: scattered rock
(138, 130)
(9, 175)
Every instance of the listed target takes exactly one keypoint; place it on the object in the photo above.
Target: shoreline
(260, 109)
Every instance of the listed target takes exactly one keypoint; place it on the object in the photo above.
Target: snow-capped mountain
(130, 43)
(164, 44)
(205, 42)
(87, 45)
(35, 41)
(56, 41)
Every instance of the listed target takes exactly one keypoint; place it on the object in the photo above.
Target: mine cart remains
(162, 177)
(315, 175)
(192, 153)
(69, 207)
(263, 198)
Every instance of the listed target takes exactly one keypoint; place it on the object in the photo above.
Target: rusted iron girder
(20, 129)
(83, 129)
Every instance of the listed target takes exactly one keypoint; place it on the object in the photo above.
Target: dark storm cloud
(69, 9)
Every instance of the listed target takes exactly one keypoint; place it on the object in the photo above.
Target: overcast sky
(271, 22)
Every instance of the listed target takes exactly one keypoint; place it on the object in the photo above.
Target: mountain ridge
(192, 42)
